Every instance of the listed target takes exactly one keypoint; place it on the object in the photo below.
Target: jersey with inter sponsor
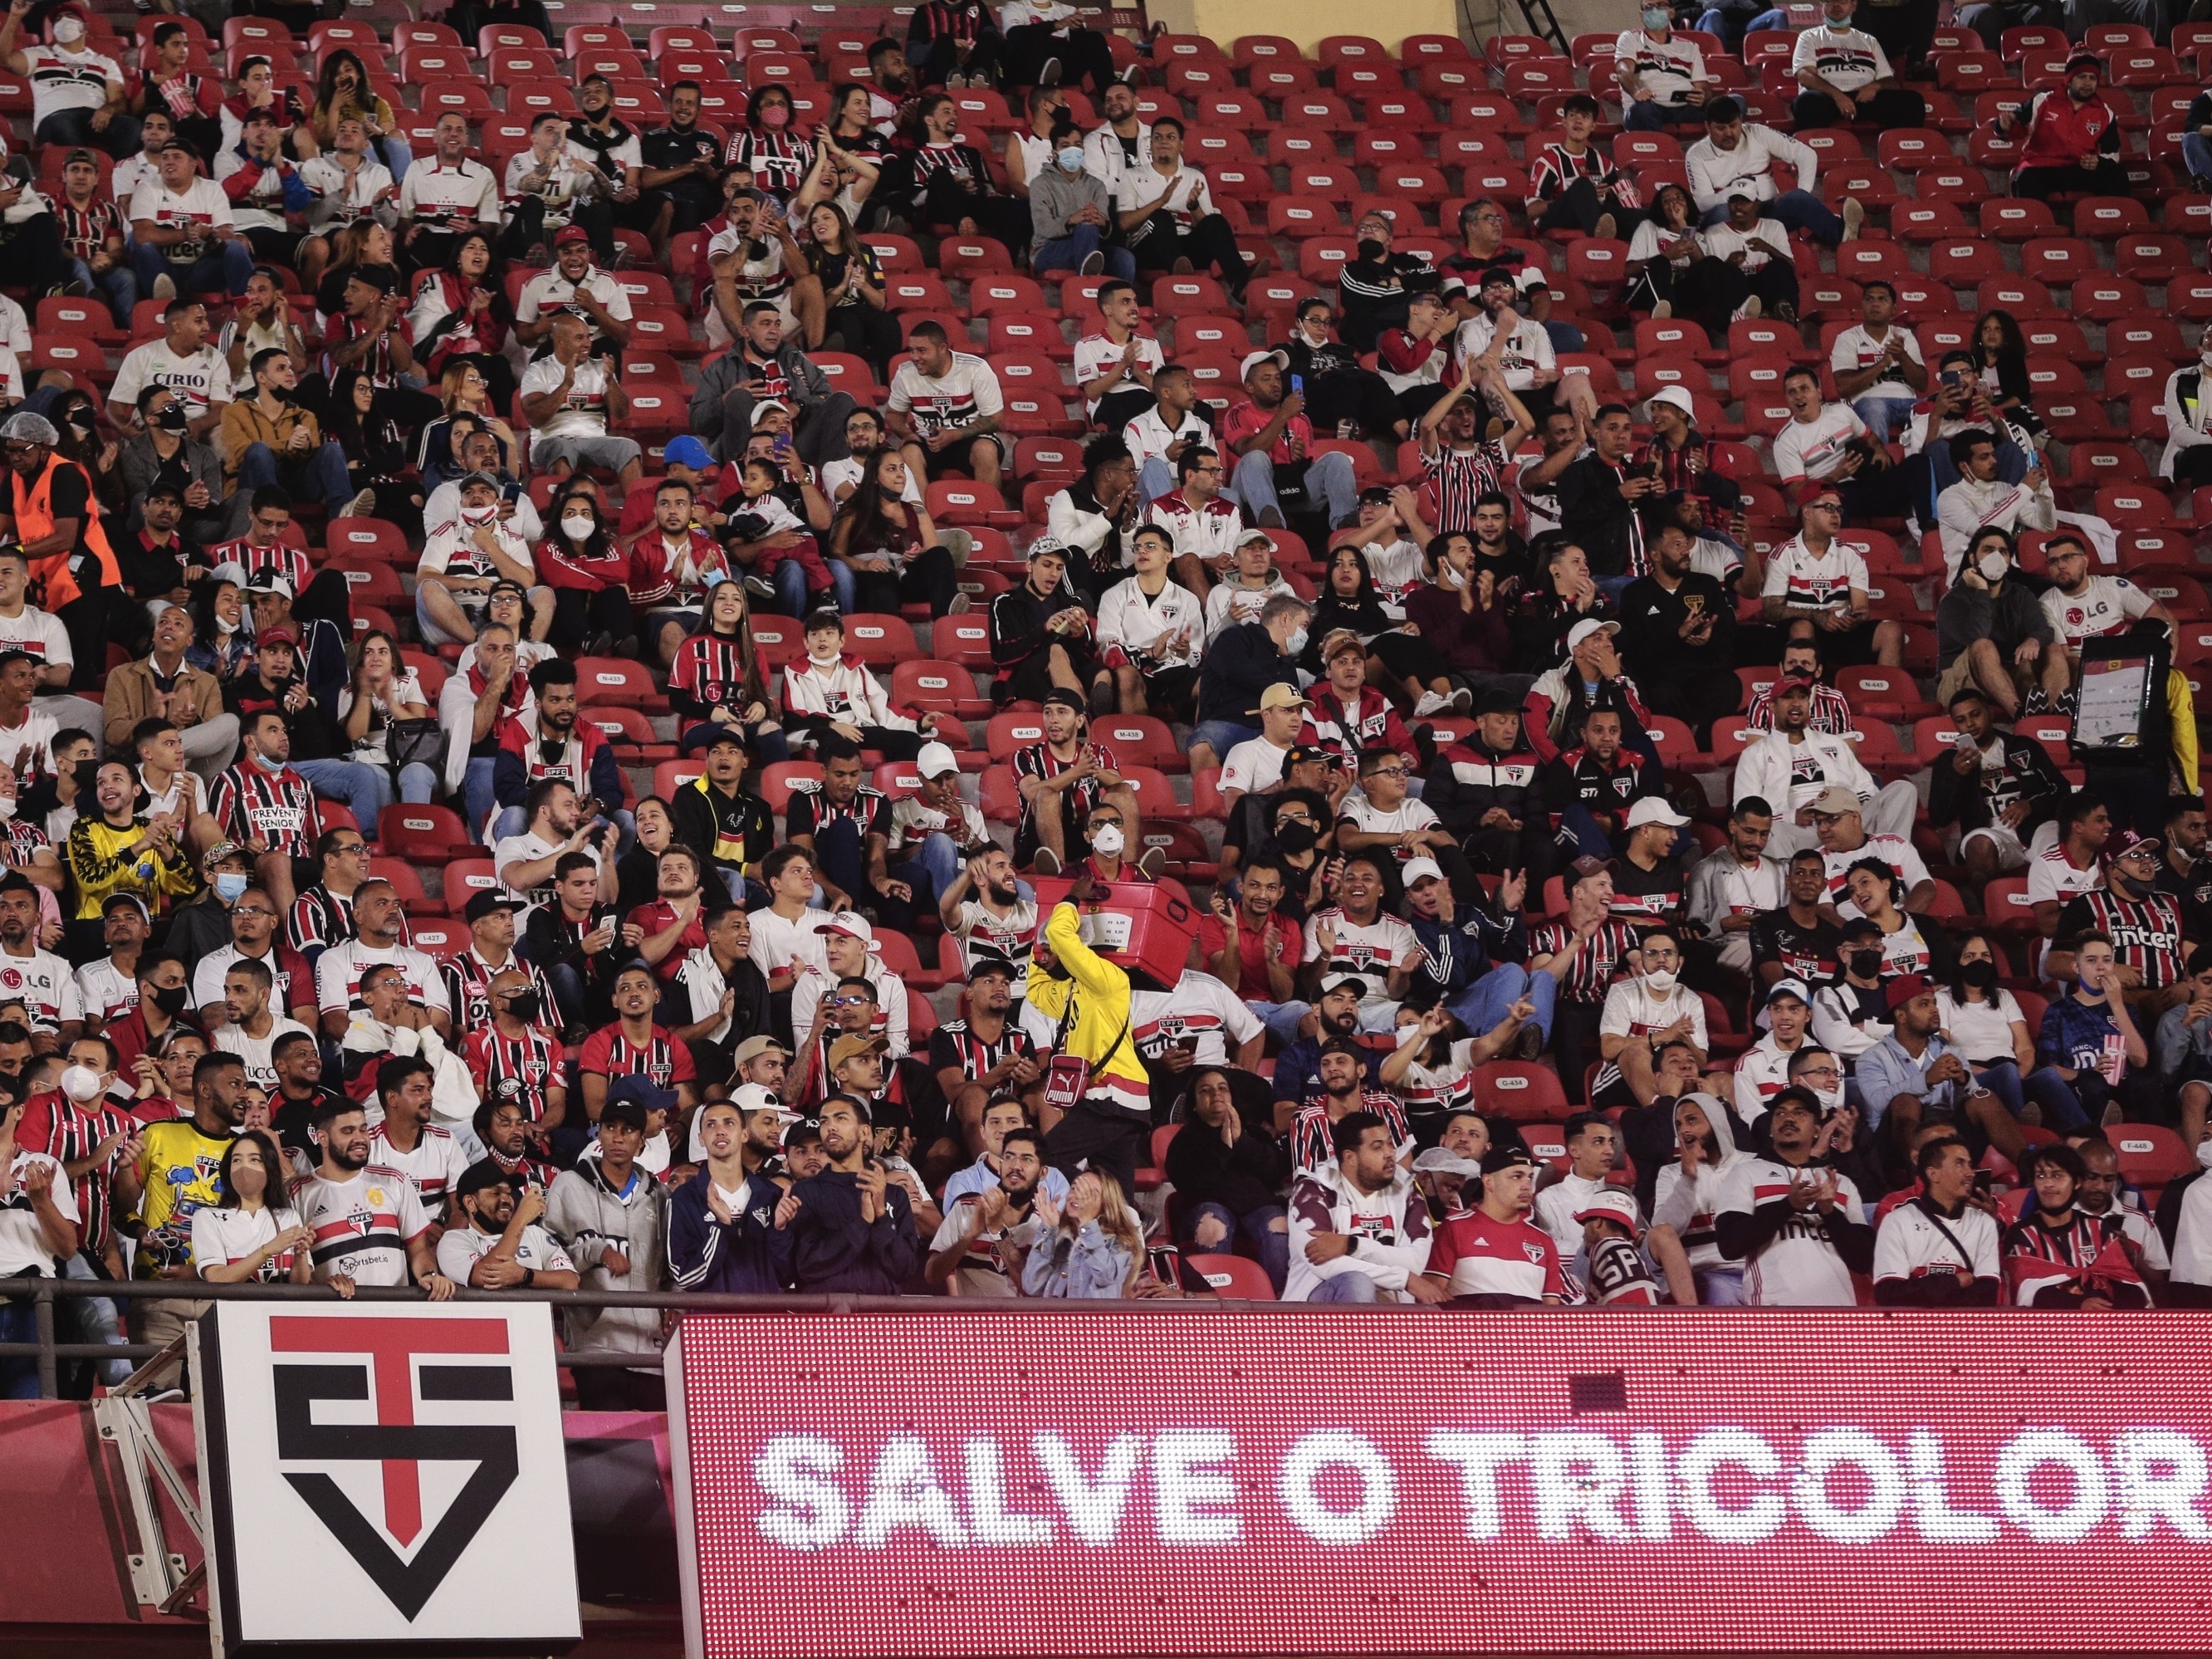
(1037, 761)
(1311, 1145)
(1799, 1268)
(1009, 939)
(45, 986)
(965, 391)
(2145, 932)
(338, 976)
(1585, 979)
(513, 1069)
(1478, 1257)
(222, 1235)
(2110, 605)
(468, 979)
(278, 808)
(361, 1226)
(608, 1052)
(1915, 1243)
(431, 1166)
(1797, 574)
(955, 1044)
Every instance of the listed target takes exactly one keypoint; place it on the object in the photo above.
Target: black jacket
(1241, 662)
(1470, 778)
(1254, 1173)
(1596, 517)
(833, 1249)
(1651, 618)
(1972, 802)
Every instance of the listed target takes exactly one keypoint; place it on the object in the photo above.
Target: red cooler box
(1143, 929)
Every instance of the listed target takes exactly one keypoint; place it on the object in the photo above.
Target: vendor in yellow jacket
(1097, 1080)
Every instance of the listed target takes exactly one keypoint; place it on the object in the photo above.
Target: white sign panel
(384, 1473)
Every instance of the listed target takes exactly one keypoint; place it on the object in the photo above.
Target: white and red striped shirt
(278, 809)
(516, 1069)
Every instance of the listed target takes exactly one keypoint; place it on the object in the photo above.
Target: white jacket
(846, 692)
(1763, 769)
(1687, 1206)
(1967, 505)
(1166, 632)
(1716, 174)
(2187, 424)
(1391, 1226)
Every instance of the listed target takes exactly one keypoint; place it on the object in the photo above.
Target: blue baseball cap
(642, 1089)
(687, 450)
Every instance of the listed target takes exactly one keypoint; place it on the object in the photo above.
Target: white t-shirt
(1814, 448)
(208, 977)
(40, 633)
(198, 210)
(46, 987)
(1981, 1032)
(1667, 70)
(1363, 815)
(1200, 1008)
(583, 413)
(2053, 879)
(525, 848)
(1631, 1009)
(967, 390)
(1147, 435)
(463, 1247)
(1895, 851)
(1095, 353)
(22, 1245)
(1911, 1245)
(2109, 605)
(260, 1069)
(1799, 1268)
(847, 474)
(338, 976)
(362, 1225)
(194, 381)
(1399, 572)
(1253, 765)
(1374, 950)
(1527, 352)
(1846, 59)
(1766, 241)
(778, 944)
(222, 1235)
(449, 197)
(1855, 348)
(432, 1165)
(67, 80)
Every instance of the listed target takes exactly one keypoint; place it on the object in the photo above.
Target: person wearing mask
(1982, 499)
(1844, 76)
(1644, 1014)
(1376, 287)
(1072, 215)
(1270, 435)
(1993, 633)
(1241, 663)
(2090, 1037)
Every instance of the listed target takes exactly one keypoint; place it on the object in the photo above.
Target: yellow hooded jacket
(1099, 1030)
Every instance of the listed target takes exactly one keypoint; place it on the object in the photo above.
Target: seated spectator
(1487, 791)
(1415, 359)
(674, 563)
(183, 236)
(1670, 272)
(1086, 1248)
(1940, 1249)
(194, 700)
(2144, 924)
(2188, 411)
(945, 410)
(989, 1228)
(1826, 444)
(1662, 77)
(463, 561)
(1877, 364)
(1757, 273)
(1493, 1257)
(1202, 519)
(1590, 677)
(1846, 76)
(93, 229)
(833, 690)
(1799, 1228)
(570, 399)
(1150, 631)
(893, 550)
(496, 1243)
(1737, 158)
(955, 43)
(1167, 218)
(2090, 1037)
(1241, 662)
(1998, 786)
(2073, 138)
(1376, 288)
(1039, 634)
(1815, 577)
(1645, 1013)
(1982, 497)
(1994, 633)
(1594, 784)
(1983, 1022)
(1071, 213)
(765, 364)
(1157, 437)
(1514, 353)
(1276, 472)
(269, 199)
(1347, 398)
(1044, 48)
(1461, 612)
(1356, 935)
(1358, 1231)
(269, 438)
(1571, 186)
(2058, 1255)
(459, 314)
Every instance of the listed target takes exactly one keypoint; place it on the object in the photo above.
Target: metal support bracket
(160, 1577)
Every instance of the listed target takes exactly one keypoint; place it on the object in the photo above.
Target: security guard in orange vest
(52, 512)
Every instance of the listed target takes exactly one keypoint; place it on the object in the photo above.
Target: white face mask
(823, 662)
(1993, 566)
(1831, 1099)
(67, 31)
(80, 1083)
(579, 528)
(1661, 980)
(2205, 1153)
(479, 514)
(1108, 840)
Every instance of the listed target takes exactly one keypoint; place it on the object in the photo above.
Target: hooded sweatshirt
(1687, 1204)
(590, 1219)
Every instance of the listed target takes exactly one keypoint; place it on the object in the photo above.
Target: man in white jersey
(2082, 606)
(444, 194)
(183, 361)
(1356, 936)
(77, 94)
(368, 1226)
(945, 409)
(183, 237)
(1792, 766)
(25, 628)
(405, 1142)
(1940, 1249)
(495, 1242)
(1799, 1227)
(987, 911)
(251, 1023)
(43, 982)
(1846, 77)
(1158, 436)
(377, 920)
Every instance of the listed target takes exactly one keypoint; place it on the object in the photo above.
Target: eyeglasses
(1818, 1071)
(253, 910)
(1387, 772)
(350, 846)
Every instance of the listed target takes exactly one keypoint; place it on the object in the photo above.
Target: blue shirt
(1885, 1071)
(2075, 1034)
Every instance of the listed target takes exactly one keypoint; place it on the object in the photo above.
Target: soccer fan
(1359, 1232)
(851, 1227)
(1846, 76)
(1270, 435)
(1799, 1229)
(378, 936)
(634, 1043)
(496, 1243)
(1804, 774)
(2072, 136)
(990, 1227)
(1998, 786)
(2091, 1038)
(721, 1232)
(2057, 1256)
(1686, 1194)
(1493, 1257)
(251, 1023)
(2072, 862)
(1939, 1250)
(2144, 924)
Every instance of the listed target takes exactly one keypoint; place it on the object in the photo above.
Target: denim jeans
(1798, 210)
(1649, 115)
(1067, 253)
(1329, 479)
(119, 284)
(2062, 1112)
(418, 784)
(1484, 1003)
(2196, 151)
(1222, 736)
(72, 128)
(477, 801)
(1883, 416)
(1281, 1018)
(936, 860)
(1262, 1226)
(364, 791)
(1344, 1288)
(790, 580)
(99, 1321)
(316, 475)
(1154, 479)
(226, 268)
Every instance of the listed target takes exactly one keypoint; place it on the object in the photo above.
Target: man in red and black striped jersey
(985, 1056)
(1583, 953)
(846, 824)
(511, 1139)
(469, 975)
(93, 231)
(323, 915)
(1345, 1089)
(2144, 924)
(1062, 781)
(634, 1045)
(264, 805)
(1573, 184)
(513, 1056)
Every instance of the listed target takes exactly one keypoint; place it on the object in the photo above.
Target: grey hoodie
(590, 1219)
(1688, 1205)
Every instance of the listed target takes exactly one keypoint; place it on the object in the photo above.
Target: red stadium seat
(1234, 1278)
(424, 835)
(1520, 1091)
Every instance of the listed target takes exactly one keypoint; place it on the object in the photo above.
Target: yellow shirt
(180, 1168)
(1100, 992)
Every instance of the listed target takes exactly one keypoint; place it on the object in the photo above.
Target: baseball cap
(568, 235)
(1790, 987)
(850, 1048)
(267, 582)
(754, 1047)
(484, 1173)
(1836, 798)
(1300, 753)
(687, 450)
(850, 923)
(486, 901)
(998, 966)
(935, 760)
(1345, 981)
(1583, 630)
(752, 1097)
(1653, 808)
(644, 1090)
(1281, 695)
(2130, 843)
(219, 852)
(470, 479)
(1674, 396)
(1339, 642)
(1902, 989)
(1067, 699)
(767, 403)
(1609, 1204)
(1793, 682)
(131, 899)
(1281, 359)
(1044, 544)
(1421, 869)
(1442, 1160)
(1859, 927)
(1256, 535)
(1506, 1157)
(282, 634)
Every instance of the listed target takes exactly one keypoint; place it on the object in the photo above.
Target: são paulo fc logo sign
(378, 1472)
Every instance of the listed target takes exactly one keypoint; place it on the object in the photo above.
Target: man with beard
(2184, 872)
(1359, 1232)
(1493, 1256)
(299, 1091)
(988, 1233)
(1298, 1068)
(2097, 1194)
(1794, 767)
(984, 909)
(717, 819)
(985, 1062)
(679, 183)
(851, 1226)
(1345, 1089)
(503, 1130)
(1062, 780)
(1940, 1249)
(1998, 786)
(1593, 784)
(512, 1056)
(1678, 636)
(176, 1173)
(549, 742)
(496, 1243)
(2144, 924)
(1796, 940)
(1253, 948)
(1731, 886)
(846, 824)
(1800, 1228)
(369, 1226)
(721, 1239)
(254, 920)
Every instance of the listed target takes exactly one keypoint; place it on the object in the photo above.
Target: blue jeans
(1281, 1018)
(418, 784)
(119, 283)
(1484, 1003)
(226, 268)
(1583, 832)
(1264, 1226)
(477, 801)
(1065, 253)
(317, 475)
(1649, 115)
(1329, 479)
(1798, 210)
(568, 988)
(1344, 1288)
(2062, 1112)
(936, 860)
(1154, 479)
(18, 1322)
(364, 791)
(2196, 151)
(1883, 416)
(101, 1321)
(790, 580)
(1612, 587)
(1222, 736)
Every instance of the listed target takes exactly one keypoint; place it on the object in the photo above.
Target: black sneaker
(1529, 1042)
(1046, 863)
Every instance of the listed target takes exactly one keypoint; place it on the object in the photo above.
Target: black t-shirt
(151, 573)
(1651, 621)
(1806, 953)
(676, 147)
(2192, 892)
(69, 496)
(1644, 897)
(313, 735)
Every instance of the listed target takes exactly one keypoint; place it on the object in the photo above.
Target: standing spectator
(1678, 636)
(1087, 999)
(179, 1165)
(851, 1227)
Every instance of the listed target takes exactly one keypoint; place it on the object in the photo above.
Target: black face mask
(1979, 975)
(81, 422)
(173, 419)
(1295, 838)
(1372, 252)
(170, 1001)
(1867, 965)
(524, 1006)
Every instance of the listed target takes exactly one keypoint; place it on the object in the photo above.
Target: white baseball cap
(1653, 808)
(1422, 870)
(1583, 630)
(1280, 358)
(1609, 1204)
(752, 1097)
(934, 760)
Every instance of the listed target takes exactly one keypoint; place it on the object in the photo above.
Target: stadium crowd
(479, 804)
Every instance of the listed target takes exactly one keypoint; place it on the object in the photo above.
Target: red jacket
(2060, 132)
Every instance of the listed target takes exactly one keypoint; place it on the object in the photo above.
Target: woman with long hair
(375, 452)
(363, 242)
(76, 418)
(856, 302)
(1400, 663)
(1090, 1246)
(588, 570)
(850, 154)
(385, 689)
(891, 547)
(768, 146)
(222, 631)
(246, 1235)
(1984, 1024)
(2000, 353)
(1563, 595)
(461, 315)
(464, 391)
(716, 679)
(342, 93)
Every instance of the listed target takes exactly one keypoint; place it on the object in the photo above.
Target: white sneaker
(1603, 229)
(1430, 703)
(1748, 311)
(361, 506)
(1661, 310)
(165, 286)
(959, 607)
(1854, 216)
(1049, 75)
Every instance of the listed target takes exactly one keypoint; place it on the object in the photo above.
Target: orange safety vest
(53, 584)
